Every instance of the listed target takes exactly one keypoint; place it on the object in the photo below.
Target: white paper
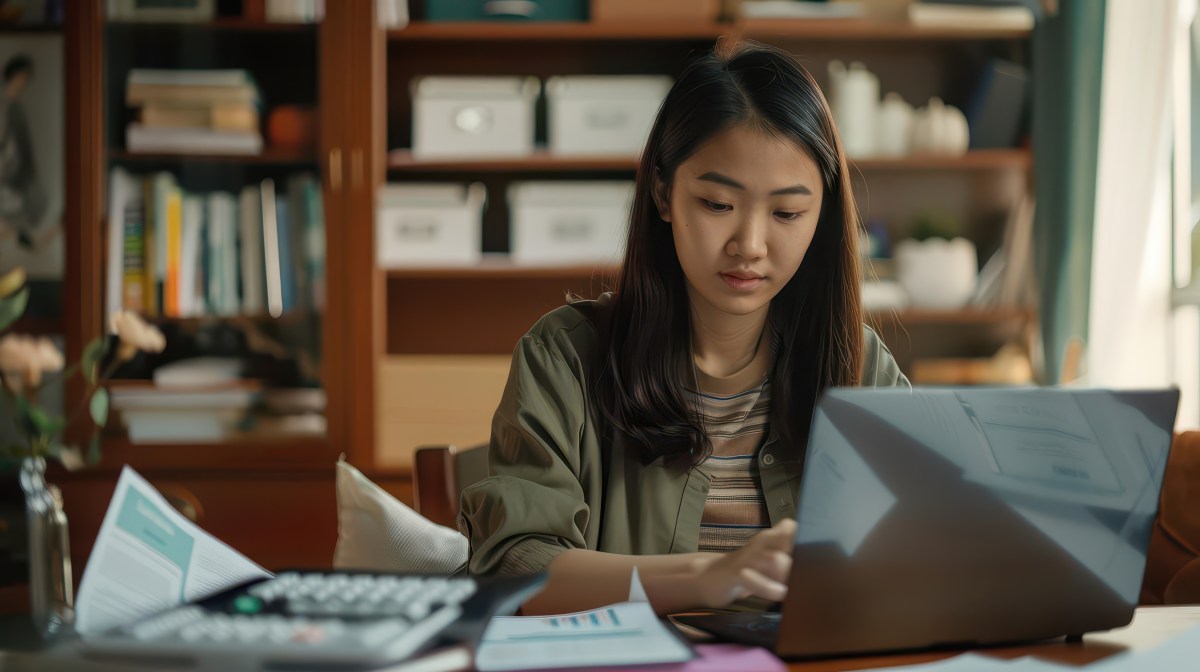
(970, 662)
(1178, 654)
(148, 557)
(621, 634)
(637, 592)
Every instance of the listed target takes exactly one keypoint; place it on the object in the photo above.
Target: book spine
(171, 282)
(133, 272)
(270, 247)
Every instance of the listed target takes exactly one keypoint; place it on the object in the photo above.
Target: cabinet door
(217, 165)
(278, 521)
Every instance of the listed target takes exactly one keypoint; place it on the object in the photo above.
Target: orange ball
(292, 126)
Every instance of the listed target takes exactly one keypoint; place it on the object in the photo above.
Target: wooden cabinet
(270, 496)
(382, 333)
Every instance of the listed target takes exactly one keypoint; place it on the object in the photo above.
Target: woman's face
(743, 210)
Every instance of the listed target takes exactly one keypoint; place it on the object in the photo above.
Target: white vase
(939, 129)
(938, 274)
(894, 132)
(854, 96)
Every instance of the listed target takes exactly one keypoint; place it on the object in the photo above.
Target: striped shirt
(735, 509)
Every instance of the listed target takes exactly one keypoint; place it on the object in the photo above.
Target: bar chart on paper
(621, 634)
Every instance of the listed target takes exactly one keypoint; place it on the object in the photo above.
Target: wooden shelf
(826, 30)
(402, 161)
(501, 269)
(18, 29)
(37, 326)
(579, 30)
(831, 30)
(961, 317)
(268, 156)
(975, 160)
(228, 24)
(278, 453)
(290, 317)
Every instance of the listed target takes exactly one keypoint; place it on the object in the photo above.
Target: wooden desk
(1151, 626)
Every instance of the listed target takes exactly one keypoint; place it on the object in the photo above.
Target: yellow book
(171, 288)
(225, 117)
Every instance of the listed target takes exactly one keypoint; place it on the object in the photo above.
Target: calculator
(310, 619)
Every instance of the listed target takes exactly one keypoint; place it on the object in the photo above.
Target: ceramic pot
(854, 96)
(939, 129)
(893, 136)
(937, 274)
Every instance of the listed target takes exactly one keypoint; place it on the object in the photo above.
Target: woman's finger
(760, 586)
(775, 565)
(781, 537)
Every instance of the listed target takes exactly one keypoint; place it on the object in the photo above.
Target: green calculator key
(247, 604)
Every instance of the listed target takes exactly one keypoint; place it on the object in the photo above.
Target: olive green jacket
(554, 485)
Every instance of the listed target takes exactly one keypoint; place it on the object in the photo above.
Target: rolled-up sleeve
(879, 366)
(531, 507)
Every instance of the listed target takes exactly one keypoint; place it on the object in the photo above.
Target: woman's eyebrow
(730, 182)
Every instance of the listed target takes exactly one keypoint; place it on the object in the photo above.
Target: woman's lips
(742, 282)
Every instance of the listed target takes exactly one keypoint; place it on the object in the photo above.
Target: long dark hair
(817, 315)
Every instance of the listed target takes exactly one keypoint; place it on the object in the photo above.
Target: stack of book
(177, 254)
(193, 111)
(974, 14)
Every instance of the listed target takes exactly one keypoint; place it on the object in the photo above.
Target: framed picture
(183, 11)
(32, 167)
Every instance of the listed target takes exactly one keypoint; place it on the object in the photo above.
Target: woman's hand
(758, 569)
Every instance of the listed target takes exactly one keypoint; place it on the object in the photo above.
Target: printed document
(148, 557)
(622, 634)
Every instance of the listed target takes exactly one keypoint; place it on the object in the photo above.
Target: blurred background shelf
(403, 161)
(280, 156)
(220, 24)
(274, 453)
(502, 269)
(830, 30)
(421, 31)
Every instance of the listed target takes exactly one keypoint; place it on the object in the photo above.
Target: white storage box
(429, 225)
(473, 117)
(568, 222)
(603, 115)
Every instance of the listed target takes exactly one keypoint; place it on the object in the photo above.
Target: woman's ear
(662, 199)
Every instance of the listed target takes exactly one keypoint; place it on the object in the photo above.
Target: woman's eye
(714, 206)
(788, 216)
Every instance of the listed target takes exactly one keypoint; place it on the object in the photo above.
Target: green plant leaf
(13, 307)
(99, 407)
(93, 452)
(93, 355)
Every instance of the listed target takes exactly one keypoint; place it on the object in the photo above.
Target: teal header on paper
(142, 518)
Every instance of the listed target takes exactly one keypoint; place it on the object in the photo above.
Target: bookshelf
(271, 155)
(384, 333)
(250, 487)
(401, 161)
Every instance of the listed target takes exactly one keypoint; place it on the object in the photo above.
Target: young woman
(664, 426)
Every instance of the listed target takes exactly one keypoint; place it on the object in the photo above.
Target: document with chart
(148, 557)
(621, 634)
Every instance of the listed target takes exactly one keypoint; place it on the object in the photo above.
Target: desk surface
(1151, 626)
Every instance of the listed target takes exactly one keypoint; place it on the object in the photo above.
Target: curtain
(1068, 48)
(1131, 322)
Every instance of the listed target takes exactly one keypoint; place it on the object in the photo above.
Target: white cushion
(379, 532)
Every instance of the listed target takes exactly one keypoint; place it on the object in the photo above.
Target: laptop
(966, 517)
